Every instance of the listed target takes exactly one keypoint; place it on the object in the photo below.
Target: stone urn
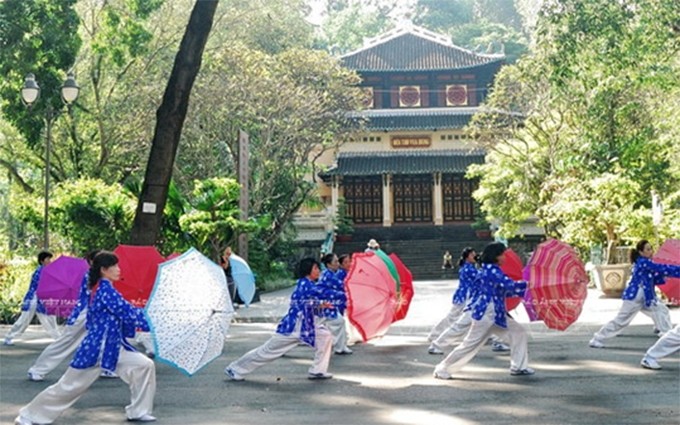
(612, 279)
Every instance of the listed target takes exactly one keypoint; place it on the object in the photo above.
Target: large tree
(169, 122)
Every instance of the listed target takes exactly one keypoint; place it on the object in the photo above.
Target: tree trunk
(169, 121)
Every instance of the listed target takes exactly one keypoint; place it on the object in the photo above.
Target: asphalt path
(389, 381)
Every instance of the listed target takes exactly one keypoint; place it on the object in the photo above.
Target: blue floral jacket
(30, 294)
(493, 286)
(110, 319)
(646, 274)
(466, 276)
(335, 282)
(304, 305)
(81, 305)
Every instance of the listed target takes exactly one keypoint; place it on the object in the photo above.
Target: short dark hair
(464, 255)
(635, 253)
(305, 267)
(341, 258)
(328, 258)
(492, 251)
(102, 260)
(44, 255)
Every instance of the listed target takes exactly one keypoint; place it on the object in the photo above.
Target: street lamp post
(29, 94)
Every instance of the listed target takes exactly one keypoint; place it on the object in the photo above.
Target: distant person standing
(447, 263)
(639, 295)
(32, 306)
(372, 246)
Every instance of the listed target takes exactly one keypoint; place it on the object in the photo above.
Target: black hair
(90, 255)
(305, 267)
(492, 251)
(635, 253)
(328, 258)
(464, 255)
(341, 258)
(103, 259)
(44, 255)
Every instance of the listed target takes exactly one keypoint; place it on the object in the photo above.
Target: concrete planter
(612, 279)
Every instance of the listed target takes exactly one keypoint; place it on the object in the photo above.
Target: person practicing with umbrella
(458, 321)
(490, 316)
(639, 295)
(372, 246)
(32, 306)
(110, 319)
(71, 337)
(668, 344)
(333, 277)
(301, 323)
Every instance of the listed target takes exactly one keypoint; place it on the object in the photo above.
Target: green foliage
(40, 37)
(91, 214)
(344, 225)
(15, 275)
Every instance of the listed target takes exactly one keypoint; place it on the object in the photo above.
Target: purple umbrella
(59, 284)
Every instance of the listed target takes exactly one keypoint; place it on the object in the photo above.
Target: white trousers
(145, 340)
(337, 328)
(134, 368)
(658, 313)
(479, 331)
(668, 344)
(48, 322)
(447, 322)
(278, 345)
(62, 348)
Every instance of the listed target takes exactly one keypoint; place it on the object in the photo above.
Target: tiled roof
(404, 162)
(412, 48)
(416, 119)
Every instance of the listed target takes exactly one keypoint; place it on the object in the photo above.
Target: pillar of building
(387, 199)
(335, 194)
(438, 200)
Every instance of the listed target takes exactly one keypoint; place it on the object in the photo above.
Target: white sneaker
(108, 374)
(35, 377)
(8, 341)
(320, 375)
(499, 347)
(594, 343)
(231, 373)
(649, 363)
(441, 374)
(434, 350)
(522, 372)
(20, 420)
(143, 418)
(344, 351)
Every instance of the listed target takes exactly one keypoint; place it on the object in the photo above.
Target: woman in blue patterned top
(71, 337)
(32, 306)
(110, 319)
(490, 316)
(301, 323)
(334, 278)
(639, 295)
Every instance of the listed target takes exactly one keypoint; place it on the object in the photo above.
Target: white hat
(373, 244)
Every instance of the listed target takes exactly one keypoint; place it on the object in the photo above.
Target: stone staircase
(421, 248)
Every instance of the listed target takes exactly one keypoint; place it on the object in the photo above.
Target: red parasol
(669, 253)
(138, 267)
(512, 267)
(557, 284)
(371, 295)
(405, 294)
(59, 284)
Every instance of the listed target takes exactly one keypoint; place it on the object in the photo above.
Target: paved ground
(389, 381)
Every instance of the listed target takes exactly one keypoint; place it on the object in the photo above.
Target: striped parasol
(558, 284)
(669, 253)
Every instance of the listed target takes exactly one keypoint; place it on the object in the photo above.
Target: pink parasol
(371, 295)
(406, 291)
(557, 284)
(512, 267)
(59, 284)
(669, 253)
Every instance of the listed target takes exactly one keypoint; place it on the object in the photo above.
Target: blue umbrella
(243, 277)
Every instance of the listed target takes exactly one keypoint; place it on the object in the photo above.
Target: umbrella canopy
(138, 266)
(512, 267)
(59, 284)
(390, 266)
(243, 278)
(557, 284)
(371, 295)
(189, 311)
(405, 294)
(669, 253)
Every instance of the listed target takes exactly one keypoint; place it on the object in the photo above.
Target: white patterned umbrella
(189, 311)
